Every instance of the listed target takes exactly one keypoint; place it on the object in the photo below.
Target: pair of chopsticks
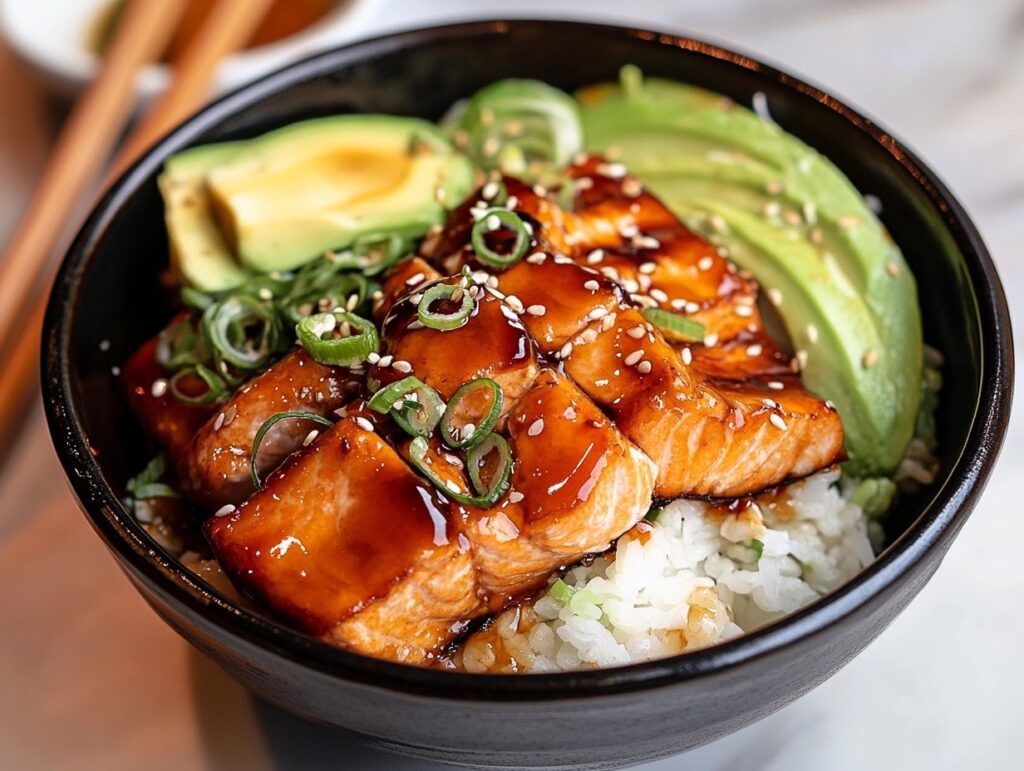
(83, 149)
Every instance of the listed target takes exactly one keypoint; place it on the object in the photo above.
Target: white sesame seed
(402, 366)
(801, 359)
(648, 268)
(631, 187)
(310, 437)
(678, 304)
(710, 341)
(770, 403)
(536, 310)
(754, 350)
(364, 424)
(224, 510)
(584, 183)
(451, 485)
(744, 311)
(561, 259)
(218, 422)
(536, 427)
(601, 383)
(775, 385)
(718, 223)
(634, 357)
(591, 285)
(608, 321)
(892, 268)
(613, 170)
(566, 351)
(692, 307)
(491, 147)
(636, 332)
(777, 421)
(628, 230)
(870, 358)
(643, 367)
(514, 303)
(810, 212)
(540, 190)
(515, 496)
(812, 333)
(454, 460)
(791, 217)
(816, 236)
(159, 388)
(659, 295)
(597, 313)
(848, 221)
(687, 357)
(385, 361)
(537, 258)
(705, 263)
(492, 222)
(373, 357)
(646, 242)
(775, 296)
(772, 209)
(774, 187)
(490, 190)
(595, 257)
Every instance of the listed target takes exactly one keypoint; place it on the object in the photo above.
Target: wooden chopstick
(84, 144)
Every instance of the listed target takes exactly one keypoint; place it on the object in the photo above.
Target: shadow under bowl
(108, 290)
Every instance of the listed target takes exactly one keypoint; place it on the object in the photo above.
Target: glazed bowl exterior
(109, 290)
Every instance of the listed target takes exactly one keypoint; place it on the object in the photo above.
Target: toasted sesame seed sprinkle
(687, 355)
(224, 510)
(536, 427)
(364, 424)
(515, 496)
(775, 385)
(648, 268)
(646, 242)
(718, 223)
(775, 296)
(636, 332)
(705, 263)
(816, 236)
(310, 437)
(491, 147)
(601, 383)
(801, 359)
(440, 195)
(566, 351)
(892, 268)
(710, 341)
(595, 257)
(265, 294)
(774, 187)
(536, 310)
(643, 367)
(385, 361)
(159, 388)
(812, 333)
(829, 405)
(631, 187)
(744, 311)
(451, 485)
(414, 279)
(584, 183)
(791, 217)
(777, 421)
(608, 321)
(659, 295)
(870, 358)
(772, 209)
(628, 230)
(770, 403)
(848, 221)
(218, 422)
(512, 202)
(613, 170)
(562, 259)
(591, 285)
(754, 350)
(490, 190)
(634, 357)
(537, 258)
(514, 303)
(540, 190)
(597, 313)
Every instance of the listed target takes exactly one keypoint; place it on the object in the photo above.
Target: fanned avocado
(787, 214)
(320, 184)
(200, 255)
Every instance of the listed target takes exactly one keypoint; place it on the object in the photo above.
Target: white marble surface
(92, 679)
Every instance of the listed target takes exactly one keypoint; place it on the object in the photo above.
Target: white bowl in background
(52, 37)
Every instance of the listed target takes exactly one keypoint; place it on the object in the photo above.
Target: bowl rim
(948, 508)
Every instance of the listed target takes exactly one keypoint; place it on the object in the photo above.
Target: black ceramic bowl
(108, 290)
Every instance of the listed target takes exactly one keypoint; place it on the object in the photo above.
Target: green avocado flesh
(785, 213)
(278, 201)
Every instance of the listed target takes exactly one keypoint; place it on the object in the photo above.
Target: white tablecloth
(91, 678)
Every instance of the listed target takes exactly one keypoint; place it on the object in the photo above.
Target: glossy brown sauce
(333, 529)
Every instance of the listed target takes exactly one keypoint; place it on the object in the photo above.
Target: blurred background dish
(61, 40)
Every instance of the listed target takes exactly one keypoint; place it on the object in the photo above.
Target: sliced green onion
(145, 485)
(678, 327)
(464, 410)
(379, 251)
(243, 332)
(316, 332)
(336, 293)
(180, 345)
(508, 220)
(216, 389)
(477, 458)
(561, 591)
(757, 547)
(195, 299)
(451, 293)
(415, 406)
(653, 513)
(418, 451)
(268, 424)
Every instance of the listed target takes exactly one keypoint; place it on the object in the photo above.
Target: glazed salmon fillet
(718, 419)
(215, 467)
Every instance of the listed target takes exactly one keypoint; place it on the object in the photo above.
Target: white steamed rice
(693, 577)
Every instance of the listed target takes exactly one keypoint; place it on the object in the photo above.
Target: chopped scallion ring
(146, 485)
(268, 424)
(338, 338)
(419, 454)
(180, 345)
(478, 458)
(415, 406)
(447, 293)
(677, 327)
(216, 389)
(492, 220)
(472, 413)
(243, 332)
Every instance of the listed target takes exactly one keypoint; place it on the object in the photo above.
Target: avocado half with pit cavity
(788, 215)
(277, 201)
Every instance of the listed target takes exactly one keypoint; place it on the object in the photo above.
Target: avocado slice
(783, 211)
(320, 184)
(200, 255)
